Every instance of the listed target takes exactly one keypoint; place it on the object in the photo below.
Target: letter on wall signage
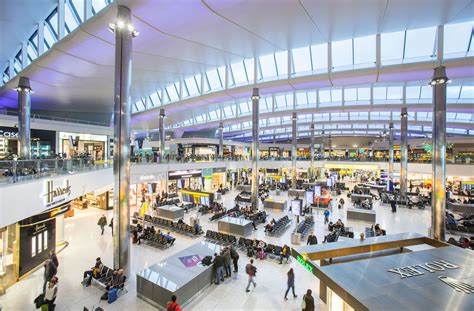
(400, 272)
(433, 266)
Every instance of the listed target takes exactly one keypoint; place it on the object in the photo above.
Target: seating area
(181, 228)
(259, 217)
(305, 226)
(220, 238)
(280, 226)
(156, 239)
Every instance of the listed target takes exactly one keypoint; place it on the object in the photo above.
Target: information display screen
(296, 207)
(205, 201)
(317, 191)
(309, 197)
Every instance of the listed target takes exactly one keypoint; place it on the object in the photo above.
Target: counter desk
(237, 226)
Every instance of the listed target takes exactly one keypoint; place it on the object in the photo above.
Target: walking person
(49, 272)
(235, 258)
(326, 216)
(173, 305)
(291, 283)
(308, 301)
(102, 223)
(251, 271)
(111, 225)
(394, 206)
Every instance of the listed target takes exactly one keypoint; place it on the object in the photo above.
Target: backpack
(171, 307)
(206, 261)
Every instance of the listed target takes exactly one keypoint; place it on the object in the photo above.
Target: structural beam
(124, 33)
(255, 147)
(24, 109)
(221, 140)
(438, 194)
(311, 153)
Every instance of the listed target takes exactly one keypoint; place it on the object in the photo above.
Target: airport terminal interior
(236, 155)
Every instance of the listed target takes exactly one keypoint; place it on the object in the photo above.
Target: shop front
(43, 142)
(184, 179)
(78, 144)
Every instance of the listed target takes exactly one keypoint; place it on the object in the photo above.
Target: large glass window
(420, 44)
(342, 55)
(267, 66)
(281, 59)
(78, 8)
(71, 18)
(191, 85)
(364, 52)
(239, 75)
(458, 39)
(301, 60)
(392, 46)
(319, 57)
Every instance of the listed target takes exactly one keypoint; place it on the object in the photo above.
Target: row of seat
(281, 225)
(220, 238)
(171, 225)
(157, 240)
(305, 226)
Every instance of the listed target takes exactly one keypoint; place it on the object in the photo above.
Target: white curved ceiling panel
(283, 22)
(410, 14)
(193, 21)
(344, 19)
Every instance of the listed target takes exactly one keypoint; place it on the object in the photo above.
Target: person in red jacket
(173, 305)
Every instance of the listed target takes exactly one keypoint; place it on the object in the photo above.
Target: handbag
(303, 303)
(39, 301)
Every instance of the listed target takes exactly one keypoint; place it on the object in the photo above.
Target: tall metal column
(311, 152)
(330, 145)
(124, 33)
(321, 170)
(404, 154)
(293, 150)
(390, 156)
(255, 147)
(161, 128)
(438, 195)
(221, 140)
(24, 107)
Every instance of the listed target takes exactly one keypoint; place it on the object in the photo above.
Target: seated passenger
(197, 228)
(285, 253)
(169, 238)
(181, 221)
(379, 231)
(268, 228)
(94, 272)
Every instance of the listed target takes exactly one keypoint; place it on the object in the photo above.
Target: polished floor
(86, 243)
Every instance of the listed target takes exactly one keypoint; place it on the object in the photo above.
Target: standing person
(54, 258)
(50, 293)
(219, 266)
(173, 305)
(228, 269)
(111, 225)
(312, 239)
(291, 283)
(251, 271)
(49, 271)
(326, 216)
(308, 301)
(235, 258)
(102, 223)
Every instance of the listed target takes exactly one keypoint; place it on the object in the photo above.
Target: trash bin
(277, 192)
(296, 238)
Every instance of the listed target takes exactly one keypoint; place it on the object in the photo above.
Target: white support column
(24, 54)
(227, 77)
(203, 82)
(371, 96)
(329, 57)
(40, 42)
(87, 9)
(440, 44)
(255, 70)
(61, 19)
(180, 91)
(343, 99)
(378, 50)
(289, 65)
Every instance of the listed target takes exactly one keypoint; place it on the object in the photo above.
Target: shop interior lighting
(121, 25)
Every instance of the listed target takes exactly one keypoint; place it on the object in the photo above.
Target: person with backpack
(251, 271)
(291, 283)
(308, 301)
(102, 223)
(235, 258)
(173, 305)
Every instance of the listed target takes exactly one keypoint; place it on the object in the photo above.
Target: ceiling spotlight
(255, 97)
(120, 24)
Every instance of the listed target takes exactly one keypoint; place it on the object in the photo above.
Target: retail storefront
(77, 144)
(43, 142)
(185, 179)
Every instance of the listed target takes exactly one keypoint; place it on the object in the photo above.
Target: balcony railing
(15, 171)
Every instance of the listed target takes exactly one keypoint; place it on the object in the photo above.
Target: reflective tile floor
(86, 243)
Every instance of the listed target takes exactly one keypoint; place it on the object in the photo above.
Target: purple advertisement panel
(190, 261)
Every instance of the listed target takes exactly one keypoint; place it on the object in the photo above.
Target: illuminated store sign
(55, 195)
(416, 270)
(305, 264)
(8, 134)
